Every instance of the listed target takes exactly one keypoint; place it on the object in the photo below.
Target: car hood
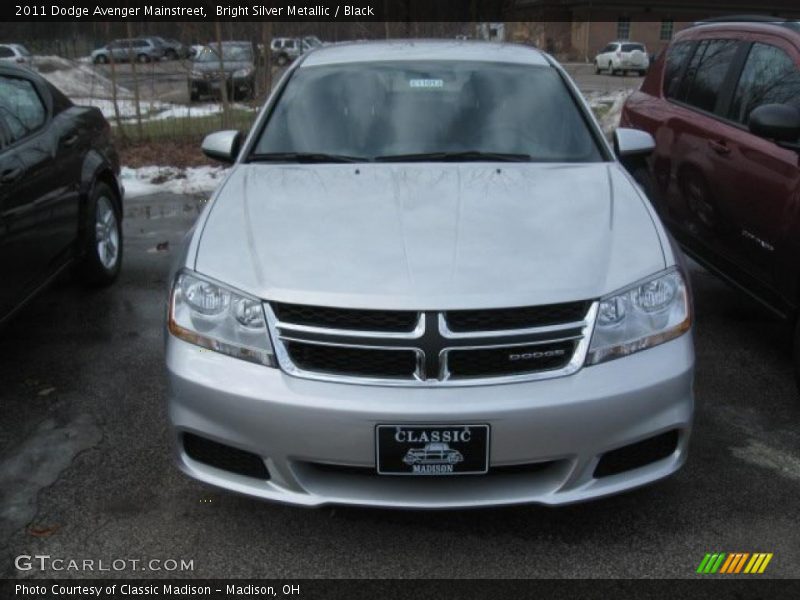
(428, 236)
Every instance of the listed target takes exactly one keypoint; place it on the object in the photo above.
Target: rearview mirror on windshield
(222, 145)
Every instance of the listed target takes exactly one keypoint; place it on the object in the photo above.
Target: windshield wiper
(304, 157)
(468, 155)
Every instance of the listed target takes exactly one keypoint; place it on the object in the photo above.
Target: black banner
(437, 589)
(384, 10)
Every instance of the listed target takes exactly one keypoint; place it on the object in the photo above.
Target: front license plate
(432, 449)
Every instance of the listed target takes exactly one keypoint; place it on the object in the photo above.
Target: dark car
(723, 104)
(60, 198)
(236, 69)
(173, 49)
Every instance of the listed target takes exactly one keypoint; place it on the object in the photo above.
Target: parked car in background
(16, 54)
(622, 57)
(310, 42)
(723, 104)
(60, 197)
(285, 50)
(429, 242)
(139, 49)
(236, 69)
(173, 49)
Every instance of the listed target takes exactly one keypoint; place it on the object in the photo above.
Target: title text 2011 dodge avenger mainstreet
(426, 245)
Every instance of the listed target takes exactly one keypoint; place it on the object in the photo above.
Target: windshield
(401, 109)
(230, 52)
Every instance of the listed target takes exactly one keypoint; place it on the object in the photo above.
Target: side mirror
(779, 122)
(222, 145)
(633, 142)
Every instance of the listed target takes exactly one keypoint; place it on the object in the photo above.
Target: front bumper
(317, 439)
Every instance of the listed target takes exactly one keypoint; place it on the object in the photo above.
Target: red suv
(723, 104)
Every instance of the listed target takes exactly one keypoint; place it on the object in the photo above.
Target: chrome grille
(419, 348)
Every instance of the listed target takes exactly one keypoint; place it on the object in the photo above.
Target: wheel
(282, 59)
(102, 244)
(101, 59)
(171, 54)
(143, 58)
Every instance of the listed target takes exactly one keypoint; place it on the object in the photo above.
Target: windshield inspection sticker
(426, 83)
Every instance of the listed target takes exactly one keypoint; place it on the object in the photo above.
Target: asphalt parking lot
(86, 469)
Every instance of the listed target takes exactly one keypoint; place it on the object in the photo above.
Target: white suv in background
(622, 57)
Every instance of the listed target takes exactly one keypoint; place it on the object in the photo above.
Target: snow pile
(609, 107)
(143, 181)
(76, 79)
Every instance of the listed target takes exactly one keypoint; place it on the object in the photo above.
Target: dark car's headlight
(641, 316)
(210, 315)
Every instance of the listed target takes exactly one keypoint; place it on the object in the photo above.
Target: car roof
(355, 52)
(786, 29)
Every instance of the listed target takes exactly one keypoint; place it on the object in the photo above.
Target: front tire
(101, 258)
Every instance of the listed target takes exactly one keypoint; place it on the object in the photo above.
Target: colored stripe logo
(734, 563)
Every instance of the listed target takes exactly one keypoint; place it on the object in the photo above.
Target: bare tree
(132, 58)
(223, 88)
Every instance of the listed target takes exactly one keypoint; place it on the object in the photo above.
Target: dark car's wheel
(171, 54)
(102, 243)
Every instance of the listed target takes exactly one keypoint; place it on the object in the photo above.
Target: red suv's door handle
(719, 147)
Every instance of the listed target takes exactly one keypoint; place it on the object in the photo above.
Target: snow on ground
(77, 79)
(84, 84)
(608, 105)
(143, 181)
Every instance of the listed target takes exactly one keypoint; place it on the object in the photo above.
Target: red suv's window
(769, 76)
(677, 56)
(716, 58)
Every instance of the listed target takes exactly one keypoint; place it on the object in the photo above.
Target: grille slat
(392, 321)
(498, 319)
(353, 361)
(510, 360)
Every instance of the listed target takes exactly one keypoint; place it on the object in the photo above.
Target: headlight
(215, 317)
(241, 73)
(644, 315)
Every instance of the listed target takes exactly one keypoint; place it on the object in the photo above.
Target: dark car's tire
(171, 54)
(101, 252)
